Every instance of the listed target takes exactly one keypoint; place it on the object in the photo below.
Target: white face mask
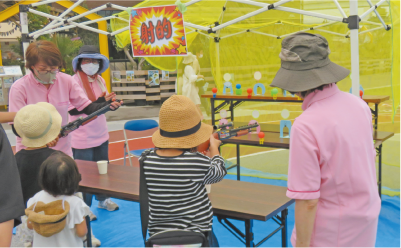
(90, 69)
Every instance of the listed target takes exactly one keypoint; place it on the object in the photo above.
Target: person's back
(337, 126)
(59, 178)
(177, 194)
(28, 162)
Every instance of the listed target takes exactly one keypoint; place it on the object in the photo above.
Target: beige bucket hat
(48, 219)
(305, 64)
(180, 125)
(37, 124)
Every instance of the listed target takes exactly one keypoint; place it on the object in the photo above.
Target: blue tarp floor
(122, 228)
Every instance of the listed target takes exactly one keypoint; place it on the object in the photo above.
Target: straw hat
(180, 125)
(52, 221)
(189, 58)
(305, 63)
(37, 124)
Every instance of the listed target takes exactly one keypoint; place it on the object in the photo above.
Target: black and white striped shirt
(177, 194)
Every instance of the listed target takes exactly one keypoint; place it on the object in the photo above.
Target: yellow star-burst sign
(157, 31)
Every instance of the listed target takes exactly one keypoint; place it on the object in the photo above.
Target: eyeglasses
(44, 72)
(93, 61)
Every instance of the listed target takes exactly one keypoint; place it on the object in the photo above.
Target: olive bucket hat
(305, 64)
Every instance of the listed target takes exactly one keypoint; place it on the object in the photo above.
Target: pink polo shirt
(65, 90)
(95, 132)
(332, 158)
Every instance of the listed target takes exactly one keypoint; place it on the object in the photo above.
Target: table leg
(377, 115)
(88, 222)
(232, 111)
(379, 183)
(238, 164)
(249, 233)
(89, 234)
(284, 214)
(212, 109)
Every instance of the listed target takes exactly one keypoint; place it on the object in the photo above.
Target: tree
(68, 48)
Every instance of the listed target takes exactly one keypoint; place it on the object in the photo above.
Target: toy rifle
(74, 125)
(226, 134)
(216, 127)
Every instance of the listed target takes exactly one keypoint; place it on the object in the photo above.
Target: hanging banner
(157, 32)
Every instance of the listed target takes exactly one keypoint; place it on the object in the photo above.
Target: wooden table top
(233, 199)
(272, 139)
(244, 97)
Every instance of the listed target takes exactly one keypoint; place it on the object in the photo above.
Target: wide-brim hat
(37, 124)
(180, 125)
(189, 58)
(90, 52)
(305, 64)
(52, 221)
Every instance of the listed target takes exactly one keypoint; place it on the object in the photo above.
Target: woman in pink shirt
(91, 142)
(45, 83)
(332, 173)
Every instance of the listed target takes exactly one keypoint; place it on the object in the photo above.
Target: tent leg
(354, 49)
(23, 15)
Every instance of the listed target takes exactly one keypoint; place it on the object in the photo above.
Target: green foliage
(36, 22)
(68, 48)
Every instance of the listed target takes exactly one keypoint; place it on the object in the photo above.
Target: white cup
(208, 188)
(102, 166)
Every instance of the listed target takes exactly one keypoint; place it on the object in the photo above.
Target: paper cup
(102, 166)
(208, 188)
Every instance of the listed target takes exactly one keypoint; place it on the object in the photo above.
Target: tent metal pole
(43, 2)
(256, 12)
(191, 2)
(199, 32)
(38, 32)
(309, 13)
(378, 15)
(114, 6)
(119, 31)
(371, 9)
(195, 26)
(339, 8)
(250, 3)
(23, 16)
(87, 13)
(354, 50)
(370, 30)
(229, 35)
(329, 32)
(373, 23)
(257, 32)
(66, 12)
(53, 31)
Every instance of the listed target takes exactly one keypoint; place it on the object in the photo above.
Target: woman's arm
(81, 229)
(7, 117)
(29, 224)
(305, 213)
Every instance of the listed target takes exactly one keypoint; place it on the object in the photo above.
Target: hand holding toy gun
(226, 134)
(74, 125)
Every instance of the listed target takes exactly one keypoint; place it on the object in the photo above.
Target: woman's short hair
(80, 63)
(45, 51)
(59, 175)
(305, 93)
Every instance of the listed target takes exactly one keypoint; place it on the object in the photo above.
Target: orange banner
(157, 32)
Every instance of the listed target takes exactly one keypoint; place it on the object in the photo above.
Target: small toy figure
(261, 137)
(284, 93)
(360, 89)
(285, 123)
(259, 85)
(227, 84)
(255, 115)
(214, 90)
(249, 90)
(238, 91)
(361, 94)
(274, 93)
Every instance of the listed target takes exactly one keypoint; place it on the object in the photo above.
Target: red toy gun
(226, 134)
(74, 125)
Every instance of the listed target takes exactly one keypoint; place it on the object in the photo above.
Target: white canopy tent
(62, 22)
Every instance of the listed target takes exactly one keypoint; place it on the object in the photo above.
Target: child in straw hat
(176, 174)
(39, 126)
(63, 222)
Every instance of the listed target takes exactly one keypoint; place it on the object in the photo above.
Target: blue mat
(122, 228)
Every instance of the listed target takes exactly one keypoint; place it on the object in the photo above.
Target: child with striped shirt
(176, 174)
